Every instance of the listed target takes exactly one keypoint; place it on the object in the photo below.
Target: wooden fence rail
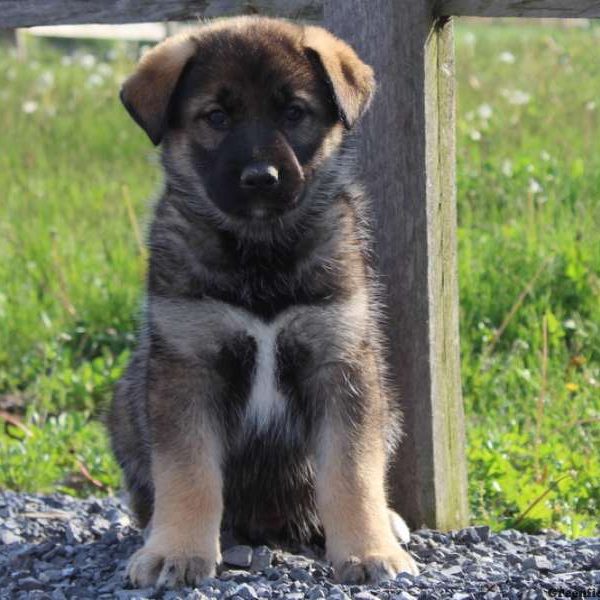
(407, 152)
(561, 9)
(28, 13)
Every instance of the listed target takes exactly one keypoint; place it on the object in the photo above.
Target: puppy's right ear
(147, 92)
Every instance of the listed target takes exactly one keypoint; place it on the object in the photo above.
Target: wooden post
(406, 149)
(8, 37)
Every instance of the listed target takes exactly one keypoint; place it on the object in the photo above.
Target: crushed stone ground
(57, 547)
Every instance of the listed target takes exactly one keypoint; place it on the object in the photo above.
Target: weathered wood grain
(27, 13)
(562, 9)
(406, 149)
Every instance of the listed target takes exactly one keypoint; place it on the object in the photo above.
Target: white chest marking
(183, 323)
(266, 403)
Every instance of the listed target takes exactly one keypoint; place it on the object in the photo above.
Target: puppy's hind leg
(129, 433)
(399, 527)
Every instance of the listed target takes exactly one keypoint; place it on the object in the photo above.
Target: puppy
(256, 397)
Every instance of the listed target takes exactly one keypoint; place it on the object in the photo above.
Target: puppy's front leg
(350, 484)
(183, 546)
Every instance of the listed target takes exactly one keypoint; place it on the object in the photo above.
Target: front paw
(162, 569)
(375, 568)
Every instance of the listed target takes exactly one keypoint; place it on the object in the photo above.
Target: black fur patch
(266, 281)
(235, 364)
(269, 493)
(293, 361)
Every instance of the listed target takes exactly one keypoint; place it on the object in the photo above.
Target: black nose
(259, 175)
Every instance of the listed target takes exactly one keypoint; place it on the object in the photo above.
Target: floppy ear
(351, 80)
(147, 92)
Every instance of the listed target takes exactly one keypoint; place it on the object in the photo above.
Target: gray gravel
(56, 547)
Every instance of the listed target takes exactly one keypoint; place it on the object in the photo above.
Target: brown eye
(217, 119)
(294, 113)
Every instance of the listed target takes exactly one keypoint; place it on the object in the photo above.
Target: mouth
(261, 213)
(265, 211)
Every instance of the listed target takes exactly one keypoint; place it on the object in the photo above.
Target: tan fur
(148, 90)
(351, 497)
(353, 81)
(353, 508)
(187, 517)
(331, 143)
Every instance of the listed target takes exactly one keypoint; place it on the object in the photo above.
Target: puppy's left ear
(352, 82)
(146, 94)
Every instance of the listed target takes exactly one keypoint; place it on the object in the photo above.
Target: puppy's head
(248, 110)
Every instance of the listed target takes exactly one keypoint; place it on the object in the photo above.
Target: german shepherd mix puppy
(256, 397)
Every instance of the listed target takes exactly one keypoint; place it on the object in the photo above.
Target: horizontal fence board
(560, 9)
(28, 13)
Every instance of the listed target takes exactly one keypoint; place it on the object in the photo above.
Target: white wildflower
(545, 156)
(46, 79)
(534, 186)
(516, 97)
(95, 80)
(591, 106)
(507, 57)
(475, 135)
(485, 111)
(87, 61)
(470, 38)
(507, 168)
(474, 82)
(29, 106)
(104, 69)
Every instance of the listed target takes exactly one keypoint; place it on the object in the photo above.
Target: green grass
(529, 252)
(74, 169)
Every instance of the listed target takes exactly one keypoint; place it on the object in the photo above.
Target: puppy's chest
(264, 368)
(263, 365)
(267, 292)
